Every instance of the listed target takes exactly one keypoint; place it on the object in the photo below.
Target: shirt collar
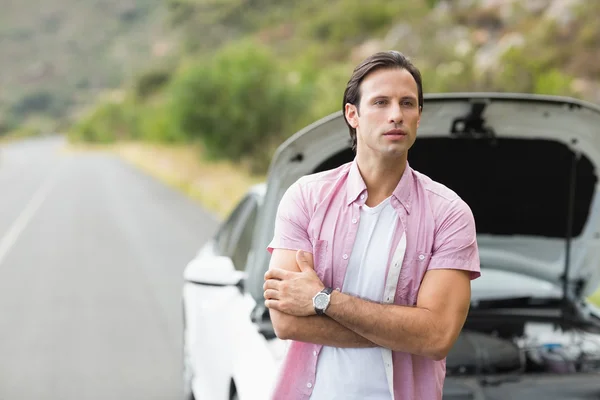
(356, 187)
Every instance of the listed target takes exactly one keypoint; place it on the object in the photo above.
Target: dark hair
(384, 59)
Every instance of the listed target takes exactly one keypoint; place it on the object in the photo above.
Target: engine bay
(527, 348)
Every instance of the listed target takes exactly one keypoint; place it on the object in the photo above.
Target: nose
(395, 114)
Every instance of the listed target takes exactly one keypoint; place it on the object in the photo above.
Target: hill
(251, 72)
(59, 54)
(276, 65)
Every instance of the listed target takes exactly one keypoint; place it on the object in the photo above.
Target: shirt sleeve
(291, 222)
(455, 244)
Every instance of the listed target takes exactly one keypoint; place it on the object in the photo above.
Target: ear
(351, 115)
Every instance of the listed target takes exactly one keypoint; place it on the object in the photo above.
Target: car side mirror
(216, 271)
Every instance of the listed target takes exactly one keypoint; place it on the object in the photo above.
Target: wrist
(334, 299)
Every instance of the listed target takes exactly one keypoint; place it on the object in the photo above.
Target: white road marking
(10, 238)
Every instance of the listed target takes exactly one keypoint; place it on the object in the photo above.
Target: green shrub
(329, 91)
(350, 21)
(151, 81)
(7, 122)
(526, 71)
(46, 101)
(155, 124)
(108, 122)
(239, 103)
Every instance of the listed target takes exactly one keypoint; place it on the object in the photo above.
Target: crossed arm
(429, 329)
(308, 327)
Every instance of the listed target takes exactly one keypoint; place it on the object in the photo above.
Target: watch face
(321, 301)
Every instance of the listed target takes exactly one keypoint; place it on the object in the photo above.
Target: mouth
(395, 134)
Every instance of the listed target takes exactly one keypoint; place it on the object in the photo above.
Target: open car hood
(527, 165)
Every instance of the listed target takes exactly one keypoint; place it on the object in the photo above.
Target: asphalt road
(91, 256)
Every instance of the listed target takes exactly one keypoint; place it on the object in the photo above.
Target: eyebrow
(412, 98)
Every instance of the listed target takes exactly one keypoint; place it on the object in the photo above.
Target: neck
(381, 176)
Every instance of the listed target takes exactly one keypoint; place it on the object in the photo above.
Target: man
(371, 262)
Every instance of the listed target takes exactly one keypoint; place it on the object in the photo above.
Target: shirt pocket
(320, 258)
(411, 275)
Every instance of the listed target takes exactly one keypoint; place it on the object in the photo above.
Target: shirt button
(397, 265)
(345, 256)
(421, 257)
(362, 196)
(337, 288)
(315, 353)
(353, 220)
(309, 385)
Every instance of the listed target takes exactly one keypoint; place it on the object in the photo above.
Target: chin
(394, 153)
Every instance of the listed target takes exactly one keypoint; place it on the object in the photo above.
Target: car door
(214, 299)
(252, 344)
(257, 350)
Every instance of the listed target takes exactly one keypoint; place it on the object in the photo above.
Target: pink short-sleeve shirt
(320, 214)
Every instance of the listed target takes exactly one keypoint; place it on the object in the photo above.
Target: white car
(527, 165)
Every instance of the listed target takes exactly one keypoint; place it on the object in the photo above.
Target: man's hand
(318, 329)
(292, 292)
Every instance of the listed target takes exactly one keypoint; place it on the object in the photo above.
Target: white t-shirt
(347, 373)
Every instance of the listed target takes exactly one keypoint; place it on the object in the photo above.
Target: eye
(379, 102)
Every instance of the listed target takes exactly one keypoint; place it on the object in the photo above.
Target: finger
(273, 305)
(277, 273)
(272, 284)
(303, 260)
(271, 294)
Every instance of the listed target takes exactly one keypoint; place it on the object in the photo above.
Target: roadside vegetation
(217, 86)
(248, 74)
(59, 55)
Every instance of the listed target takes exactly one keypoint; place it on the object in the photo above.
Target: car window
(235, 237)
(227, 230)
(242, 246)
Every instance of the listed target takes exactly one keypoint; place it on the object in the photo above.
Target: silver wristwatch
(321, 300)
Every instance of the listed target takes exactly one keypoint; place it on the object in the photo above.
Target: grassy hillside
(59, 54)
(254, 71)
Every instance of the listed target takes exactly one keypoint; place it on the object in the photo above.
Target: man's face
(386, 124)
